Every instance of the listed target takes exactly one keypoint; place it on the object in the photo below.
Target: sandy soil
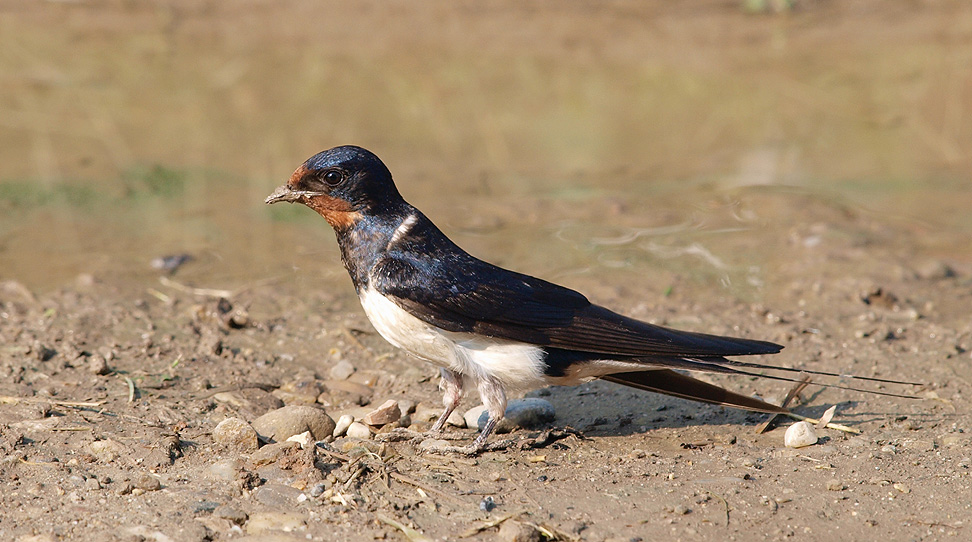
(106, 390)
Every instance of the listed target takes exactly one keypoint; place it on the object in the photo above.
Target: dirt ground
(110, 397)
(114, 375)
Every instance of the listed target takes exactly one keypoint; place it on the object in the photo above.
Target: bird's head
(342, 184)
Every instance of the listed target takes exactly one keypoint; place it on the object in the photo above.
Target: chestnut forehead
(299, 174)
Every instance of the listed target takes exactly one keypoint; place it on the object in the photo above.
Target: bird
(495, 329)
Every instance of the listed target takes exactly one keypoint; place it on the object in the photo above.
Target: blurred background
(652, 142)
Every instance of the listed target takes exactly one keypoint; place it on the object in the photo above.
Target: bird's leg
(451, 386)
(494, 398)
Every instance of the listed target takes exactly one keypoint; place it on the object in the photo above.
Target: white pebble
(305, 439)
(359, 430)
(342, 425)
(799, 435)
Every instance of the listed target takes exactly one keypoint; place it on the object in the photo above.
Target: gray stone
(98, 365)
(407, 406)
(230, 513)
(283, 423)
(236, 434)
(341, 370)
(514, 531)
(303, 391)
(147, 482)
(272, 452)
(529, 412)
(277, 495)
(226, 469)
(387, 413)
(455, 419)
(107, 450)
(249, 402)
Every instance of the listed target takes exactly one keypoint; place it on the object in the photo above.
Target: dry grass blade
(402, 478)
(131, 389)
(11, 400)
(790, 396)
(835, 426)
(827, 416)
(202, 292)
(473, 531)
(409, 532)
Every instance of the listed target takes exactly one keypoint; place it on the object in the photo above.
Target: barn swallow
(490, 327)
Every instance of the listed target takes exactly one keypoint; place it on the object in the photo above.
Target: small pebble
(681, 510)
(147, 482)
(387, 413)
(474, 416)
(341, 370)
(318, 490)
(273, 452)
(407, 406)
(92, 484)
(529, 412)
(303, 391)
(455, 419)
(280, 424)
(226, 469)
(236, 434)
(305, 439)
(514, 531)
(277, 495)
(204, 506)
(107, 450)
(359, 430)
(97, 364)
(835, 485)
(799, 435)
(902, 487)
(230, 513)
(487, 504)
(341, 427)
(170, 262)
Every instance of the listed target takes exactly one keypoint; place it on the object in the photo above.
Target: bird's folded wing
(477, 297)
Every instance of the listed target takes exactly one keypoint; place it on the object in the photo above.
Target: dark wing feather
(686, 387)
(457, 292)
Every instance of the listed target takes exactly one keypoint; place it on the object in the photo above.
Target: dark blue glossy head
(343, 184)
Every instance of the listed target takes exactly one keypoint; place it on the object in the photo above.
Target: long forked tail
(679, 385)
(715, 364)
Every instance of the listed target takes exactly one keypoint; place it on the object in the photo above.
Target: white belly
(516, 365)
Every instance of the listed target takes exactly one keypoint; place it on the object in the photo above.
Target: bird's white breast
(516, 365)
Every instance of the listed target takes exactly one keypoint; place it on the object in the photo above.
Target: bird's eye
(333, 177)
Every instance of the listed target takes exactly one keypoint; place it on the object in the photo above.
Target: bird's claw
(472, 449)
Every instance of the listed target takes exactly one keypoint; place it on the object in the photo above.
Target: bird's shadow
(606, 409)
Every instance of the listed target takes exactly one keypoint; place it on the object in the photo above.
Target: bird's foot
(399, 434)
(475, 448)
(446, 435)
